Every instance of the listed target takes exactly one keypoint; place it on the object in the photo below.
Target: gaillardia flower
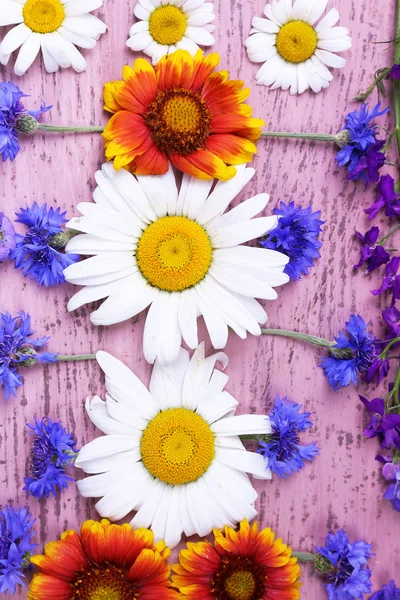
(15, 546)
(53, 450)
(181, 111)
(239, 565)
(177, 253)
(107, 561)
(173, 454)
(295, 51)
(168, 25)
(53, 26)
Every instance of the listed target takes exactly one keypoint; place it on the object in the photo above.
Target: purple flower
(369, 165)
(392, 317)
(378, 367)
(395, 72)
(390, 470)
(382, 425)
(387, 199)
(391, 281)
(371, 253)
(7, 236)
(389, 591)
(393, 492)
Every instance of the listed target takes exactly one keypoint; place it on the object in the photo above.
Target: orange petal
(110, 93)
(127, 130)
(159, 592)
(173, 70)
(46, 587)
(149, 567)
(203, 164)
(63, 558)
(202, 69)
(93, 540)
(151, 162)
(141, 81)
(124, 544)
(252, 131)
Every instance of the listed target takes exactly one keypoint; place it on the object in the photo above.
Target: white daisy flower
(177, 253)
(168, 25)
(53, 26)
(172, 453)
(295, 51)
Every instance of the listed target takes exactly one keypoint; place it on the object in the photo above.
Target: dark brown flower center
(239, 579)
(179, 121)
(105, 583)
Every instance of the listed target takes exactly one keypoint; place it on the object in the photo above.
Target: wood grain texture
(343, 487)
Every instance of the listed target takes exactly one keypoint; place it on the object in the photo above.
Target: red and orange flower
(113, 562)
(180, 111)
(241, 565)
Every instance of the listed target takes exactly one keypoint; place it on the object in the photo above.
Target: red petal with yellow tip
(46, 587)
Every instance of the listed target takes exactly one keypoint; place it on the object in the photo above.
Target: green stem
(61, 129)
(304, 337)
(304, 556)
(387, 236)
(384, 352)
(384, 73)
(318, 137)
(76, 357)
(396, 83)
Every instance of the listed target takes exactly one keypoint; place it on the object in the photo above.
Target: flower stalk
(62, 129)
(396, 83)
(304, 337)
(304, 556)
(317, 137)
(76, 357)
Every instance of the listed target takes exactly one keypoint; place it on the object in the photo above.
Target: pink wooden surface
(343, 486)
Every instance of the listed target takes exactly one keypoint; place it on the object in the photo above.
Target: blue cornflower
(388, 592)
(360, 150)
(296, 235)
(281, 449)
(53, 450)
(15, 546)
(38, 251)
(12, 114)
(352, 355)
(17, 350)
(348, 575)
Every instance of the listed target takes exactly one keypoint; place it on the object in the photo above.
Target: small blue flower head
(38, 251)
(296, 235)
(15, 546)
(18, 350)
(352, 355)
(349, 577)
(12, 116)
(388, 592)
(360, 140)
(53, 450)
(282, 449)
(7, 236)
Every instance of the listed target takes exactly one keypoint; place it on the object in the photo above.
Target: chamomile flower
(171, 453)
(294, 49)
(167, 25)
(55, 27)
(177, 253)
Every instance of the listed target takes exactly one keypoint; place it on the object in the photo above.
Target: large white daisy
(168, 25)
(54, 26)
(172, 453)
(177, 253)
(295, 51)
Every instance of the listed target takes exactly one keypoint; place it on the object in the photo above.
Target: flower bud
(27, 124)
(342, 138)
(323, 565)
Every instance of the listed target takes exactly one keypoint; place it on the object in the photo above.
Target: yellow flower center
(43, 16)
(296, 41)
(179, 121)
(240, 585)
(174, 253)
(167, 25)
(177, 446)
(104, 583)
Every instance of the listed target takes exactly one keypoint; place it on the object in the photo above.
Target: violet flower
(369, 165)
(382, 425)
(392, 318)
(391, 281)
(387, 199)
(395, 72)
(371, 253)
(393, 492)
(7, 236)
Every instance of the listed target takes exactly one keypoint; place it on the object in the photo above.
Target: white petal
(106, 447)
(204, 511)
(253, 260)
(213, 389)
(139, 41)
(335, 45)
(65, 53)
(145, 515)
(141, 13)
(112, 219)
(229, 441)
(97, 486)
(173, 526)
(192, 196)
(220, 406)
(98, 414)
(162, 336)
(125, 495)
(87, 25)
(312, 77)
(104, 278)
(198, 376)
(15, 38)
(83, 41)
(10, 13)
(122, 206)
(187, 318)
(166, 381)
(321, 69)
(270, 14)
(199, 35)
(189, 45)
(333, 33)
(97, 265)
(242, 283)
(316, 11)
(264, 25)
(89, 245)
(27, 54)
(198, 19)
(248, 462)
(243, 232)
(215, 323)
(187, 525)
(242, 425)
(160, 190)
(224, 193)
(92, 293)
(74, 8)
(159, 522)
(330, 19)
(139, 27)
(131, 297)
(241, 213)
(86, 225)
(269, 72)
(133, 393)
(329, 59)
